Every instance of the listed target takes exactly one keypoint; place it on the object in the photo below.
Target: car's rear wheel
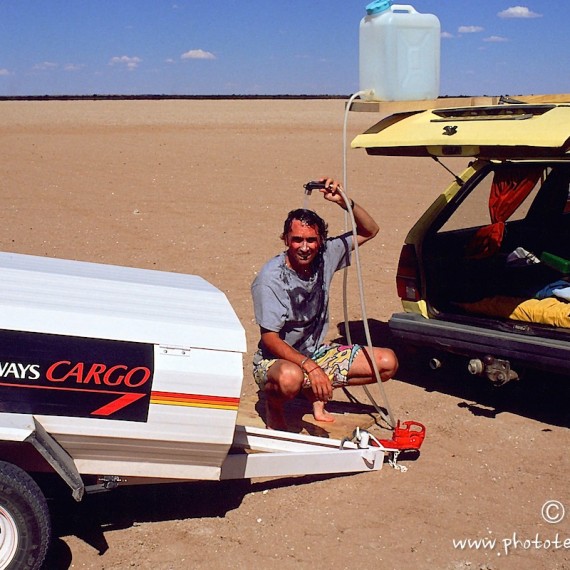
(25, 527)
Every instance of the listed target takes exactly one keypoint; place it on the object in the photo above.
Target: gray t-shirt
(297, 308)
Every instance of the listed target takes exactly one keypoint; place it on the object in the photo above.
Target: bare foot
(320, 414)
(275, 418)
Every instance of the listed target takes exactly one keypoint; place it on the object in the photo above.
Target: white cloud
(4, 72)
(44, 66)
(73, 66)
(469, 29)
(495, 39)
(446, 35)
(130, 62)
(518, 12)
(197, 54)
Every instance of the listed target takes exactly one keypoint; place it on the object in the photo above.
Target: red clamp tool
(410, 435)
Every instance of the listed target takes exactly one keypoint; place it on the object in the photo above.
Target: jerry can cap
(378, 6)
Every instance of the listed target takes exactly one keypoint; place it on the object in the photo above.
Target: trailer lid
(56, 296)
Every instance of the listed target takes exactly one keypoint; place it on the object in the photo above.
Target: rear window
(474, 211)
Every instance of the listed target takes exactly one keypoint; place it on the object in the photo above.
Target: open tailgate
(497, 131)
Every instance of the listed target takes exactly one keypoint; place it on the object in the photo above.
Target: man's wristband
(302, 365)
(351, 205)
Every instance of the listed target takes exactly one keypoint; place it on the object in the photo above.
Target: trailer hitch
(497, 370)
(407, 436)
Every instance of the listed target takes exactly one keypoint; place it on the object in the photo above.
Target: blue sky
(204, 47)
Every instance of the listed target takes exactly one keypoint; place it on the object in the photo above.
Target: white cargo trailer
(125, 375)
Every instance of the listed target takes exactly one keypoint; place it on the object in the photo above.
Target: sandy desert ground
(202, 187)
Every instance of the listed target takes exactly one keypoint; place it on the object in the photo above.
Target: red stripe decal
(117, 404)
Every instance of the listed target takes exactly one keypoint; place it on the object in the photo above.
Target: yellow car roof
(496, 131)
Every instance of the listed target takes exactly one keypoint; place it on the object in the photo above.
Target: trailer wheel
(25, 526)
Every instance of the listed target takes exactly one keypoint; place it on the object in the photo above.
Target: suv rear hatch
(437, 275)
(497, 131)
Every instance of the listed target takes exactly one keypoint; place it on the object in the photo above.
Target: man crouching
(291, 297)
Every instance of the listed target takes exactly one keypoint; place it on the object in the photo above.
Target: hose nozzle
(313, 185)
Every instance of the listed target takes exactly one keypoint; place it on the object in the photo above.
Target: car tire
(25, 525)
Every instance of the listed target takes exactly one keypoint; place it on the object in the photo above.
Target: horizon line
(97, 96)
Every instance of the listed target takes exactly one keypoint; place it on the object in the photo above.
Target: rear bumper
(475, 341)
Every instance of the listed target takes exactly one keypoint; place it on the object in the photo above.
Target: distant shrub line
(97, 97)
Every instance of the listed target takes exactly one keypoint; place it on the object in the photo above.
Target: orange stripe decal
(194, 400)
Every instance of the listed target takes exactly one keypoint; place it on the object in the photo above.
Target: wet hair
(308, 218)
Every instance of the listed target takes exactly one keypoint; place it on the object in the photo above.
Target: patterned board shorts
(334, 359)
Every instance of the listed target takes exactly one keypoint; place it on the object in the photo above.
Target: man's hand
(320, 384)
(331, 191)
(366, 227)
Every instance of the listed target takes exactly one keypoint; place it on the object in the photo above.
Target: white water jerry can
(399, 53)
